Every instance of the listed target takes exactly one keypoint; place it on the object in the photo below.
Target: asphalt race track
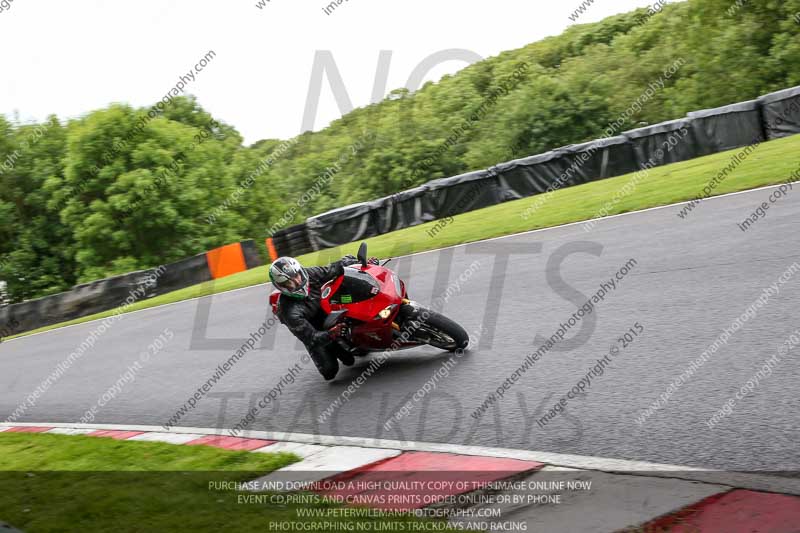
(691, 280)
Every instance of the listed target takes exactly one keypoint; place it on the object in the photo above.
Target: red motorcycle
(372, 303)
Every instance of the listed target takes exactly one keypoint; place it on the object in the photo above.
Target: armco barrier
(106, 294)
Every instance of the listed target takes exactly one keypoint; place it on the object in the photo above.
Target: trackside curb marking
(738, 510)
(230, 443)
(478, 472)
(756, 482)
(332, 461)
(625, 498)
(69, 431)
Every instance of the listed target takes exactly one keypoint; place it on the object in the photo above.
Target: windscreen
(356, 287)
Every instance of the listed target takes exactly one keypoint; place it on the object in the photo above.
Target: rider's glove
(373, 261)
(336, 331)
(349, 260)
(321, 338)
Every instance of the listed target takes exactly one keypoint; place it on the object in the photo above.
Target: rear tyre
(440, 332)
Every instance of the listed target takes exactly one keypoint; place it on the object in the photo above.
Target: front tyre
(439, 331)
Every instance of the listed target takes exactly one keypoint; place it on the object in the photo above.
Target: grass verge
(54, 483)
(771, 163)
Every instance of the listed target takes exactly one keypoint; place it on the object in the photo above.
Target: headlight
(386, 313)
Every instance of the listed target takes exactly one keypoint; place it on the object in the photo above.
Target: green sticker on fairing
(347, 299)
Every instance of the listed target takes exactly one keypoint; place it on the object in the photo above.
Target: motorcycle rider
(299, 308)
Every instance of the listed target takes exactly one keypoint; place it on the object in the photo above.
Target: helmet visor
(290, 278)
(292, 284)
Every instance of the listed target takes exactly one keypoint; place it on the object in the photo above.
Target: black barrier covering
(700, 133)
(528, 176)
(83, 300)
(184, 273)
(403, 210)
(342, 225)
(565, 167)
(252, 258)
(436, 199)
(664, 143)
(294, 240)
(599, 159)
(466, 192)
(781, 113)
(725, 128)
(110, 293)
(280, 243)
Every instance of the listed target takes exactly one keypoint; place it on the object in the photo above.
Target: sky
(70, 58)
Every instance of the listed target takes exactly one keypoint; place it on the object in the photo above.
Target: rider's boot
(345, 357)
(326, 363)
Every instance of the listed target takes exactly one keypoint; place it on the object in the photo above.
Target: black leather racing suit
(304, 318)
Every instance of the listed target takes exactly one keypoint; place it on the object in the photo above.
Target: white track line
(759, 482)
(597, 220)
(162, 306)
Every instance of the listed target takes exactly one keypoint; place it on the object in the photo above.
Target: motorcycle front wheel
(437, 330)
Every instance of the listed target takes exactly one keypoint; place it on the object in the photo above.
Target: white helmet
(289, 277)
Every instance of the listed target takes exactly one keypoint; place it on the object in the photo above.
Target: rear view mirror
(362, 254)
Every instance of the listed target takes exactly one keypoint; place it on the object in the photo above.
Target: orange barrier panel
(226, 260)
(273, 253)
